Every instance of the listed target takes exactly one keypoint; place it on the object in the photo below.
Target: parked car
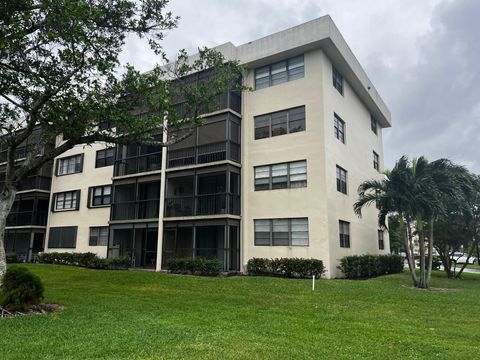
(459, 258)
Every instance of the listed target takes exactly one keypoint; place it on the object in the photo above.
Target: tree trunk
(470, 253)
(430, 252)
(422, 283)
(410, 260)
(6, 201)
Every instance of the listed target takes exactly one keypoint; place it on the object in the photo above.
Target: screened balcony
(132, 201)
(29, 209)
(216, 192)
(134, 159)
(207, 239)
(217, 140)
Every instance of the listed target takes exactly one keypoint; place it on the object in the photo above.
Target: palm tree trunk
(6, 201)
(421, 243)
(410, 260)
(430, 252)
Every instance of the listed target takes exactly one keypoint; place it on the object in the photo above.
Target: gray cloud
(422, 56)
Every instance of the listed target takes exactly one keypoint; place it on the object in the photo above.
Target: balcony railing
(138, 164)
(142, 209)
(211, 204)
(202, 154)
(25, 218)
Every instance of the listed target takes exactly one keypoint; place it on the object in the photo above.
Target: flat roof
(318, 33)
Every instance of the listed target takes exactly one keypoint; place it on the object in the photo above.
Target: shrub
(197, 266)
(12, 258)
(286, 267)
(368, 266)
(89, 260)
(20, 290)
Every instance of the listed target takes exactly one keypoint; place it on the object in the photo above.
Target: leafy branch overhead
(58, 68)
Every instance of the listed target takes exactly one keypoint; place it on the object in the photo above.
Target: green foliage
(89, 260)
(12, 258)
(395, 233)
(286, 267)
(368, 266)
(133, 314)
(197, 266)
(20, 289)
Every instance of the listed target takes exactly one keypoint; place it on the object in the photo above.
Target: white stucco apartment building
(273, 173)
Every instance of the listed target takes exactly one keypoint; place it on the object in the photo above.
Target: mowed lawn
(146, 315)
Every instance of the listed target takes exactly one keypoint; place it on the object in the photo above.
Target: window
(63, 237)
(105, 157)
(70, 165)
(381, 242)
(337, 80)
(281, 232)
(280, 123)
(376, 161)
(101, 195)
(344, 232)
(98, 236)
(281, 176)
(280, 72)
(341, 180)
(64, 201)
(373, 123)
(339, 128)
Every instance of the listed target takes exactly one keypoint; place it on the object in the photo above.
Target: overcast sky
(423, 57)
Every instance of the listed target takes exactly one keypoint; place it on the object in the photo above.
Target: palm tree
(418, 191)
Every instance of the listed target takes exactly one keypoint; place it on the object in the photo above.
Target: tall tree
(58, 69)
(418, 192)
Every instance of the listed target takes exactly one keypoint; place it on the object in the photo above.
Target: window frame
(381, 239)
(337, 120)
(92, 196)
(105, 159)
(289, 113)
(98, 236)
(339, 180)
(272, 232)
(376, 161)
(289, 175)
(337, 80)
(344, 238)
(59, 165)
(289, 74)
(62, 237)
(75, 194)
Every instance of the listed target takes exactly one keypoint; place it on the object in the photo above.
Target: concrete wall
(287, 203)
(85, 217)
(355, 156)
(319, 201)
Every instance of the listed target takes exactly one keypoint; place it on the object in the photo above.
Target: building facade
(272, 173)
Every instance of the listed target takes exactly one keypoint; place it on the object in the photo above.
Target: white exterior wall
(319, 201)
(84, 217)
(355, 156)
(287, 203)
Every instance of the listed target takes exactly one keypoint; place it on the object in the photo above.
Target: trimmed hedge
(88, 260)
(197, 266)
(12, 258)
(20, 290)
(368, 266)
(286, 267)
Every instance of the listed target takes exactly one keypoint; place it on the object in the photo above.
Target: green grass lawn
(146, 315)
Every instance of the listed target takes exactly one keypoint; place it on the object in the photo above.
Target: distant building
(273, 173)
